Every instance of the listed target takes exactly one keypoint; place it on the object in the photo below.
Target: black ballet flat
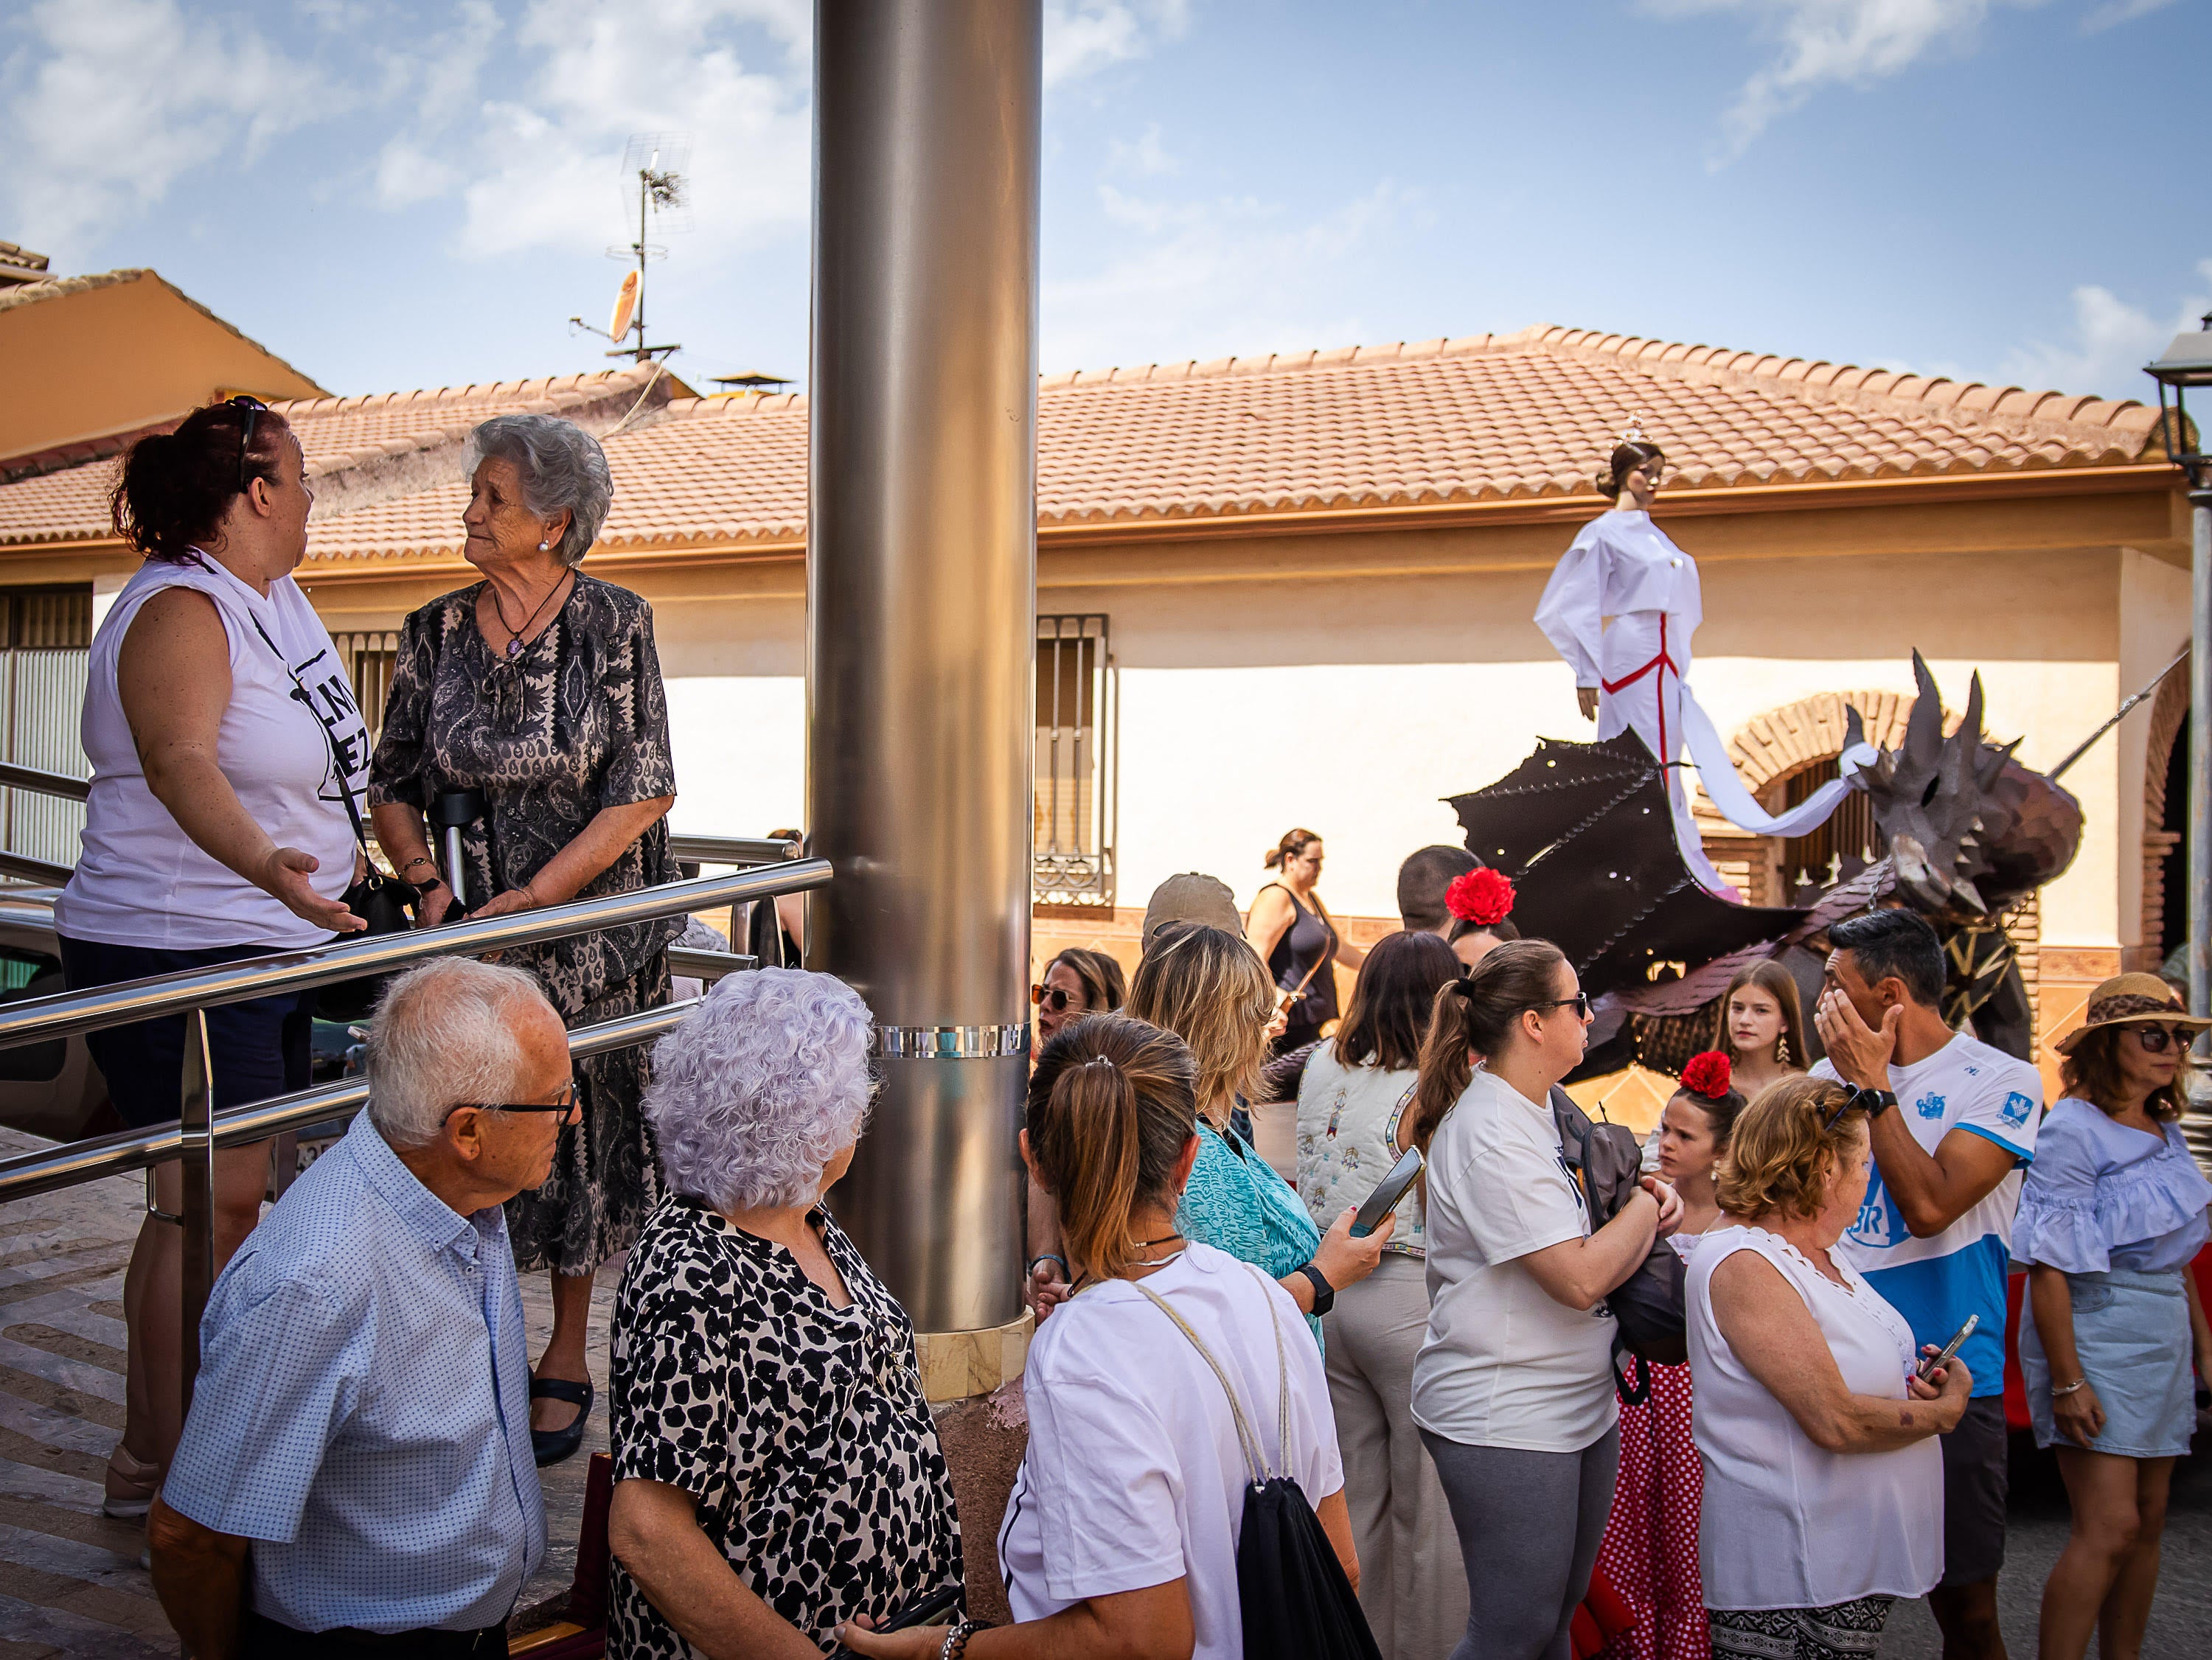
(550, 1447)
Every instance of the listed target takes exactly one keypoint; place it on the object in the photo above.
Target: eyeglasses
(1052, 998)
(1580, 1002)
(564, 1103)
(253, 408)
(2157, 1039)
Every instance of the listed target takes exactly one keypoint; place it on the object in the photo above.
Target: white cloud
(1833, 42)
(2113, 13)
(1083, 35)
(2111, 341)
(537, 165)
(110, 102)
(1146, 157)
(1196, 278)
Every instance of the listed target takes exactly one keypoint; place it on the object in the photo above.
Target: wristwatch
(1873, 1102)
(1324, 1293)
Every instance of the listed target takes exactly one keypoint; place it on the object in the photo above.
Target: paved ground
(69, 1579)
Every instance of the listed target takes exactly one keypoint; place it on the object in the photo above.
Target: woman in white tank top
(223, 734)
(1824, 1483)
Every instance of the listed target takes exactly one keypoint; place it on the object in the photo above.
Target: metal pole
(196, 1167)
(922, 573)
(2200, 758)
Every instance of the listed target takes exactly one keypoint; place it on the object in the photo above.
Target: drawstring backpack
(1295, 1603)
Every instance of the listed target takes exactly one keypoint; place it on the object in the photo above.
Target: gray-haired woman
(539, 687)
(776, 1468)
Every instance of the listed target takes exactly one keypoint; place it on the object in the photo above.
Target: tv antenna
(653, 165)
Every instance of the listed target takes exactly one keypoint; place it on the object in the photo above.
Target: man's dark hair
(1894, 945)
(1422, 880)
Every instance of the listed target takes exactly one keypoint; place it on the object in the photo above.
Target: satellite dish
(625, 306)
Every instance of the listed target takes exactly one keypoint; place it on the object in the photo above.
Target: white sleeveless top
(140, 880)
(1783, 1523)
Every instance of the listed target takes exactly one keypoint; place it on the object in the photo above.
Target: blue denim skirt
(2131, 1331)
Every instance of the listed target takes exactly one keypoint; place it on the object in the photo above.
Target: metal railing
(200, 1131)
(13, 776)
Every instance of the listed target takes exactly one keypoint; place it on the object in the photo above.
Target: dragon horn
(1923, 731)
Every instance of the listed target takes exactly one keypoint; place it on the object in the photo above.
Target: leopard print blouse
(799, 1429)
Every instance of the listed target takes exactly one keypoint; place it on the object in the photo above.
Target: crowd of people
(1736, 1398)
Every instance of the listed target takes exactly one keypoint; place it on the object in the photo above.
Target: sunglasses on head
(563, 1103)
(253, 408)
(1052, 998)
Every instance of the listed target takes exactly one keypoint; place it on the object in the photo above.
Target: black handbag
(1290, 1588)
(385, 903)
(1651, 1306)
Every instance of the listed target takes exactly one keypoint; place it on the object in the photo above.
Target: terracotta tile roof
(375, 435)
(1528, 415)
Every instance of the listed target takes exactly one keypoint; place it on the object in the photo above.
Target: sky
(392, 195)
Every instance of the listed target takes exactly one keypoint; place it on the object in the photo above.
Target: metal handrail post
(196, 1127)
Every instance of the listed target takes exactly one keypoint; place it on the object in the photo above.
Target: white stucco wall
(1353, 707)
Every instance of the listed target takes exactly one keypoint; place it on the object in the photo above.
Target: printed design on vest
(328, 693)
(1929, 1105)
(2017, 1107)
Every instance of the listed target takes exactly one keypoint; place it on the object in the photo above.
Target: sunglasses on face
(2157, 1039)
(563, 1104)
(1580, 1002)
(1052, 998)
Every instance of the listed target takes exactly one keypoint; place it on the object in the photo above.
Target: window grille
(45, 638)
(1074, 810)
(1835, 850)
(369, 660)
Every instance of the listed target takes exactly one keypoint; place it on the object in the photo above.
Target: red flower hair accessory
(1482, 896)
(1707, 1074)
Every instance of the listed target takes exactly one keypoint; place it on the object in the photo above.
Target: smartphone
(927, 1611)
(1929, 1363)
(1388, 1191)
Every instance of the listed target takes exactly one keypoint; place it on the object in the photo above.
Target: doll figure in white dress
(1620, 609)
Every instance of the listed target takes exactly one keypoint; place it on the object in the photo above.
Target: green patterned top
(1236, 1202)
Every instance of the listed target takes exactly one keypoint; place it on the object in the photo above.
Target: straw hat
(2132, 1000)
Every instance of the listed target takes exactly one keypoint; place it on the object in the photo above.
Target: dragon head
(1967, 828)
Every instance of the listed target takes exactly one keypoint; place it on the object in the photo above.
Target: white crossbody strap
(1253, 1459)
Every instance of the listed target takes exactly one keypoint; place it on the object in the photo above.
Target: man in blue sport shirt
(1955, 1123)
(356, 1475)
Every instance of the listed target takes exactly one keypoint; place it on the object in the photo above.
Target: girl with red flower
(1650, 1548)
(1481, 904)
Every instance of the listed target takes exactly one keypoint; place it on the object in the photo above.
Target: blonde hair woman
(1824, 1484)
(1210, 989)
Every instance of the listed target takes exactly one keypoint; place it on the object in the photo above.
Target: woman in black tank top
(1290, 927)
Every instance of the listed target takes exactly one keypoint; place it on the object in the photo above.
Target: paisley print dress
(578, 722)
(799, 1428)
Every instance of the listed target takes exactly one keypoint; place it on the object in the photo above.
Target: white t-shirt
(1504, 1364)
(1936, 1282)
(140, 880)
(1783, 1523)
(1134, 1476)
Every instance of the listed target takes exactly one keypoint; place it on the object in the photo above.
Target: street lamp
(2188, 362)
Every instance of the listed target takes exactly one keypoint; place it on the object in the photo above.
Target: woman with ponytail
(223, 739)
(1513, 1388)
(1291, 930)
(1121, 1533)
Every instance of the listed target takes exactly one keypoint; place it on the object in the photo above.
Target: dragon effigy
(1586, 833)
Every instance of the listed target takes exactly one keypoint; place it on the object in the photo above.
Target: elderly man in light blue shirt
(356, 1473)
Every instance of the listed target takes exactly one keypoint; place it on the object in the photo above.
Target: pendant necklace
(514, 634)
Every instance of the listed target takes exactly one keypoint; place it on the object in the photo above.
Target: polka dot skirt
(1650, 1548)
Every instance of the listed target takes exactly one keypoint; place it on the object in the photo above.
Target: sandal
(550, 1447)
(130, 1486)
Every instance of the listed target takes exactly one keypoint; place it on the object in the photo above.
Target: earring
(1782, 1050)
(544, 546)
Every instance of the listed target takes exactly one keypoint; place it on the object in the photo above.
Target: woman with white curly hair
(538, 689)
(776, 1468)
